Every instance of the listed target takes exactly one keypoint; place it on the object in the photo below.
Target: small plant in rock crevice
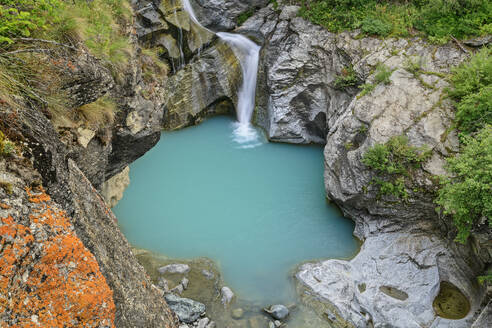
(393, 162)
(347, 78)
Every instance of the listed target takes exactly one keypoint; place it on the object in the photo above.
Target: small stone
(175, 268)
(209, 275)
(278, 311)
(163, 284)
(185, 282)
(271, 325)
(203, 323)
(178, 289)
(237, 313)
(227, 295)
(277, 323)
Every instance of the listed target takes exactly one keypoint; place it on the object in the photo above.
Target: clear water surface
(257, 211)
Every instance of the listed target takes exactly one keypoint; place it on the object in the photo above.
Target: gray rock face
(187, 310)
(484, 320)
(220, 15)
(298, 65)
(88, 80)
(204, 87)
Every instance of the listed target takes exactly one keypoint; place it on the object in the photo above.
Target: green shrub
(366, 88)
(7, 147)
(393, 162)
(348, 78)
(441, 19)
(19, 18)
(467, 194)
(376, 26)
(438, 19)
(472, 91)
(487, 278)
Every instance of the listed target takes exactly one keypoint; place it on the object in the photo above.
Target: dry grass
(98, 114)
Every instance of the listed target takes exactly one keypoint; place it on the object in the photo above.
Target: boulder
(187, 310)
(227, 295)
(179, 268)
(278, 311)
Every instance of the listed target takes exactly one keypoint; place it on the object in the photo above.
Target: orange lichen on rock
(47, 277)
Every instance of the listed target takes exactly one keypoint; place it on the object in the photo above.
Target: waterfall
(248, 54)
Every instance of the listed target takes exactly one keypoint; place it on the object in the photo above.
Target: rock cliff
(319, 87)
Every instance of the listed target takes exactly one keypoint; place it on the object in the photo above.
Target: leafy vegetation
(467, 194)
(348, 78)
(437, 19)
(244, 16)
(394, 162)
(383, 74)
(7, 147)
(472, 91)
(20, 18)
(487, 278)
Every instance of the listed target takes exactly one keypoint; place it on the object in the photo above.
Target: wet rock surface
(220, 15)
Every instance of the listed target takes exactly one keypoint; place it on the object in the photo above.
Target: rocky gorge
(408, 257)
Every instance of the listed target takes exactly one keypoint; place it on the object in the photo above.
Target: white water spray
(248, 54)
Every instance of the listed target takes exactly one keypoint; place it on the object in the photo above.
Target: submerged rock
(187, 310)
(278, 311)
(227, 295)
(175, 268)
(237, 313)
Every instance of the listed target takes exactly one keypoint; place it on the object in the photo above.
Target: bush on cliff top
(438, 19)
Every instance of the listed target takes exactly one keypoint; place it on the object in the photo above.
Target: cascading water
(248, 54)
